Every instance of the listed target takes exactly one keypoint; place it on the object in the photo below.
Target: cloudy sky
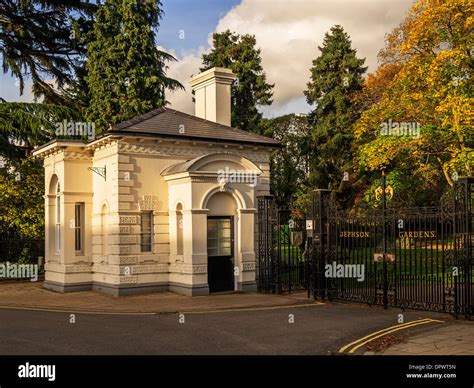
(287, 31)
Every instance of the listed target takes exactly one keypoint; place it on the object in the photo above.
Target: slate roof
(168, 122)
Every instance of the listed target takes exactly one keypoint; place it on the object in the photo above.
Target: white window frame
(79, 228)
(142, 233)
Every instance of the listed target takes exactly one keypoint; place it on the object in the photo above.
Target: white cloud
(186, 66)
(289, 32)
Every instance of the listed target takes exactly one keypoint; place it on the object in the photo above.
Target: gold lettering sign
(418, 234)
(357, 234)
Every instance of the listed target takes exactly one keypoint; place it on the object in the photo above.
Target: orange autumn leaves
(425, 77)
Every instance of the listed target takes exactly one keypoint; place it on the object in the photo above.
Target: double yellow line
(364, 340)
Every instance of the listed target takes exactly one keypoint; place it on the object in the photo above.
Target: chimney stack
(212, 90)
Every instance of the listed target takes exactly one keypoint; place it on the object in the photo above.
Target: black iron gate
(282, 265)
(418, 258)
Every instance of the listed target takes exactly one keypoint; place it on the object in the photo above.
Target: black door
(220, 241)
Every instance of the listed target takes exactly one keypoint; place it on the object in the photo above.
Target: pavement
(34, 320)
(32, 296)
(454, 339)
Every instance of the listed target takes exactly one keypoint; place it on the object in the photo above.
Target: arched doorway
(217, 192)
(221, 225)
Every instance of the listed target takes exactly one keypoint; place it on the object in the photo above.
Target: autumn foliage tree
(430, 55)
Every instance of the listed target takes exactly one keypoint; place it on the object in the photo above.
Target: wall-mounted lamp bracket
(102, 171)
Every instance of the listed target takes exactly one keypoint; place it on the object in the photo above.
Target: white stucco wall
(135, 183)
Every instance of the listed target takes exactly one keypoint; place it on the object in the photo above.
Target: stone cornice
(194, 176)
(106, 149)
(205, 179)
(103, 142)
(192, 149)
(74, 150)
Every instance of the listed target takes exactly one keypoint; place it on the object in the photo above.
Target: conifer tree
(42, 39)
(251, 89)
(125, 72)
(336, 76)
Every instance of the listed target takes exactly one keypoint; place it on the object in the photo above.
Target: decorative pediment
(213, 163)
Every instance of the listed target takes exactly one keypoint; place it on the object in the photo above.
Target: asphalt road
(319, 330)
